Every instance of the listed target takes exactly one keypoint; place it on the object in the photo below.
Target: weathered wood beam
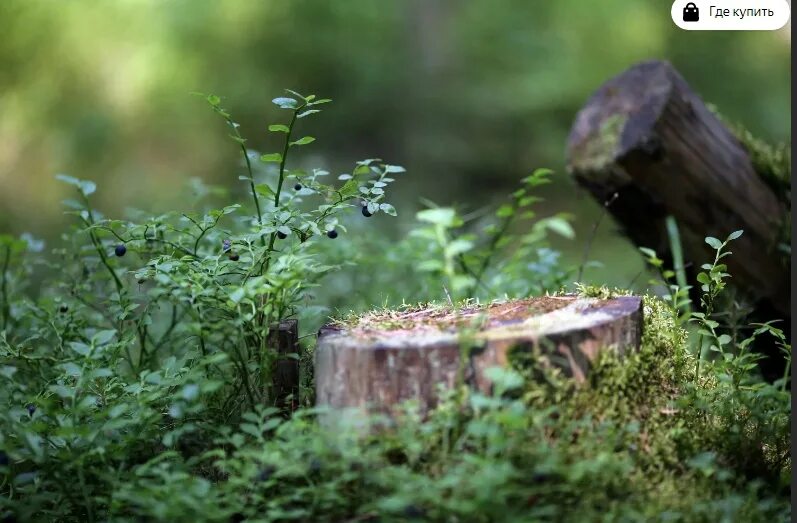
(646, 136)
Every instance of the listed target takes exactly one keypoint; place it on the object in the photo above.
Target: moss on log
(647, 137)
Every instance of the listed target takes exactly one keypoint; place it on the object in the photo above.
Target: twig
(591, 238)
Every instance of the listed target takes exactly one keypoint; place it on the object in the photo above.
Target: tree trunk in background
(646, 136)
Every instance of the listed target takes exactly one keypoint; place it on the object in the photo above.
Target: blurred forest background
(468, 96)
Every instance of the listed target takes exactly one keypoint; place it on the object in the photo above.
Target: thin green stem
(284, 159)
(240, 141)
(593, 233)
(6, 309)
(98, 247)
(677, 256)
(493, 246)
(278, 191)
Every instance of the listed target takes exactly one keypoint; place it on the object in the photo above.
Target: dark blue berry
(266, 473)
(332, 234)
(297, 187)
(226, 245)
(234, 256)
(366, 212)
(31, 408)
(414, 511)
(63, 308)
(120, 250)
(3, 458)
(8, 517)
(281, 235)
(315, 466)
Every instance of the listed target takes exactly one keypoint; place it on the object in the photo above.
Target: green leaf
(430, 265)
(458, 246)
(734, 235)
(102, 372)
(444, 216)
(713, 242)
(307, 113)
(237, 295)
(350, 188)
(250, 429)
(117, 410)
(271, 424)
(560, 226)
(285, 103)
(271, 157)
(386, 208)
(278, 128)
(190, 392)
(84, 186)
(72, 369)
(103, 337)
(303, 140)
(263, 189)
(505, 211)
(394, 169)
(80, 348)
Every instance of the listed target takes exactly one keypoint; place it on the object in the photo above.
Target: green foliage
(507, 256)
(147, 336)
(139, 385)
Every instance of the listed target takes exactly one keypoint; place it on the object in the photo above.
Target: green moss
(772, 162)
(683, 452)
(599, 151)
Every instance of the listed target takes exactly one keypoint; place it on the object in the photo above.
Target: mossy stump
(383, 359)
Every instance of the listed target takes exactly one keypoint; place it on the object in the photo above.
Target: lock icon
(691, 12)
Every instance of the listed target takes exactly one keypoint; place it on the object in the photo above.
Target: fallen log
(385, 359)
(646, 137)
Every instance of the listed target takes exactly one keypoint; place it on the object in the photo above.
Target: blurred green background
(468, 96)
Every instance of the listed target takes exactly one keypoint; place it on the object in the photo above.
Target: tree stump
(285, 379)
(383, 359)
(648, 138)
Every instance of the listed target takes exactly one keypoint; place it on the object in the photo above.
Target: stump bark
(285, 379)
(381, 361)
(647, 137)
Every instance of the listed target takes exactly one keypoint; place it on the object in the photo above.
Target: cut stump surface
(383, 359)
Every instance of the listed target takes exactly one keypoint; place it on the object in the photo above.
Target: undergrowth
(136, 364)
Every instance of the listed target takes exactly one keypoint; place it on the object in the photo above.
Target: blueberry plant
(153, 327)
(505, 255)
